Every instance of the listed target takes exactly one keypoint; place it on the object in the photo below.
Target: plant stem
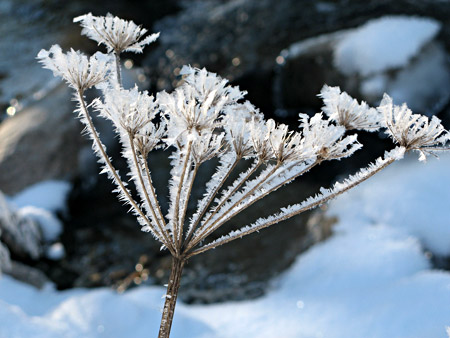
(102, 154)
(159, 228)
(118, 70)
(171, 297)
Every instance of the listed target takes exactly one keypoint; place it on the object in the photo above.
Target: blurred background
(282, 52)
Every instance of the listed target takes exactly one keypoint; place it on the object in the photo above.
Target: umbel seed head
(116, 34)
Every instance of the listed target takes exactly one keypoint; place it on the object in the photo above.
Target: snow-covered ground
(372, 278)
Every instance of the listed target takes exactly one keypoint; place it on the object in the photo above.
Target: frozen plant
(206, 118)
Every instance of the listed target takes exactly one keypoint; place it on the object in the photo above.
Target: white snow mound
(382, 44)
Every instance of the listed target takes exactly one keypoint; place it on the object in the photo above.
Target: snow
(417, 202)
(400, 55)
(382, 44)
(49, 195)
(372, 278)
(50, 226)
(40, 202)
(27, 312)
(56, 251)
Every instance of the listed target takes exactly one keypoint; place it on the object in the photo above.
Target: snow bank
(27, 312)
(370, 279)
(413, 197)
(383, 44)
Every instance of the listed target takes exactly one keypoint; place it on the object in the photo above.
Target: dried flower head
(130, 110)
(259, 135)
(347, 112)
(197, 107)
(325, 139)
(205, 83)
(237, 123)
(116, 34)
(79, 71)
(287, 145)
(207, 147)
(413, 131)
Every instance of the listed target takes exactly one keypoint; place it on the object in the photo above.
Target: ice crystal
(116, 34)
(347, 112)
(79, 71)
(326, 140)
(413, 131)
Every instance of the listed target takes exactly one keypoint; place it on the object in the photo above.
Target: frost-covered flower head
(259, 135)
(347, 112)
(197, 106)
(116, 34)
(79, 71)
(286, 145)
(205, 83)
(207, 147)
(272, 141)
(237, 122)
(129, 109)
(325, 139)
(413, 131)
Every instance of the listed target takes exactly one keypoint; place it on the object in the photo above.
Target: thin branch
(178, 228)
(186, 200)
(165, 239)
(105, 157)
(308, 204)
(210, 198)
(118, 69)
(250, 201)
(209, 228)
(238, 183)
(152, 190)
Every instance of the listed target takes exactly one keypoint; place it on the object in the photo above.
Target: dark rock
(40, 143)
(21, 235)
(27, 274)
(20, 246)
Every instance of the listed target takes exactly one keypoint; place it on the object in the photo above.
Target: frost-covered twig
(178, 226)
(324, 196)
(228, 163)
(227, 194)
(100, 150)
